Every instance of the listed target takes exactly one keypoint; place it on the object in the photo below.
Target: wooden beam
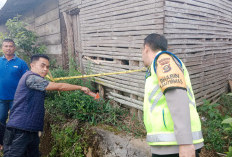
(68, 23)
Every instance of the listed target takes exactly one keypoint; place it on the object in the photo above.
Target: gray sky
(2, 2)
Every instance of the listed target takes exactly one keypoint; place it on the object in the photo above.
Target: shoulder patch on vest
(169, 73)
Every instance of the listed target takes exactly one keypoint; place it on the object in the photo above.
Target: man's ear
(146, 48)
(32, 65)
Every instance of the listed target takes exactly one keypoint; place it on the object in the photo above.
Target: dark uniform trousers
(20, 143)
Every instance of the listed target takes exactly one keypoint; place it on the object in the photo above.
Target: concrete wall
(44, 21)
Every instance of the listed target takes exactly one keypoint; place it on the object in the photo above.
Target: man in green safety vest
(170, 116)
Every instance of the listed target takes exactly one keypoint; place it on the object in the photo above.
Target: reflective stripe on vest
(161, 94)
(170, 137)
(191, 95)
(157, 98)
(153, 92)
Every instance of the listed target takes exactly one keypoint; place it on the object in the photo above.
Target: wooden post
(134, 111)
(79, 43)
(115, 104)
(75, 35)
(68, 23)
(140, 112)
(101, 91)
(64, 42)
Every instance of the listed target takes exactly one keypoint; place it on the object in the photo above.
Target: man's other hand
(187, 150)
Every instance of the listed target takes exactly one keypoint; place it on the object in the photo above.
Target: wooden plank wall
(200, 32)
(112, 32)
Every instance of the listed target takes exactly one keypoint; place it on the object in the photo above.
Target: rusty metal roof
(13, 8)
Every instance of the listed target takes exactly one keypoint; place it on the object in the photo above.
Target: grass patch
(68, 141)
(75, 105)
(212, 115)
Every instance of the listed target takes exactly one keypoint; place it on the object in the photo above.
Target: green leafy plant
(229, 154)
(230, 94)
(77, 105)
(26, 41)
(228, 122)
(66, 142)
(213, 131)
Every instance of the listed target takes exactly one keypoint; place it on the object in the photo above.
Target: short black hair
(156, 42)
(9, 40)
(36, 57)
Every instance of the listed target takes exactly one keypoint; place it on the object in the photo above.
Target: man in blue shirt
(11, 70)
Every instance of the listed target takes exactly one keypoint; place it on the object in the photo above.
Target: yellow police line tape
(93, 75)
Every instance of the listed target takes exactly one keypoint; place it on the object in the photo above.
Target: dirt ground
(46, 138)
(208, 153)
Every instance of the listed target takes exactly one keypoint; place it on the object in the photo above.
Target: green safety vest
(157, 117)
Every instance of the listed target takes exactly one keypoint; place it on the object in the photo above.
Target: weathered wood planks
(201, 32)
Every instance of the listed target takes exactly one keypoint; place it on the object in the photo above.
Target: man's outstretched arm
(65, 87)
(41, 84)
